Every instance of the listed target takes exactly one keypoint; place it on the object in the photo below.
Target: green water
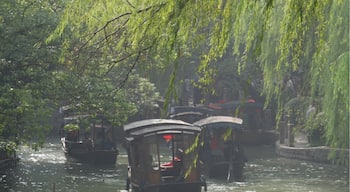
(48, 170)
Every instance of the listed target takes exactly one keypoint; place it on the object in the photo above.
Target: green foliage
(71, 127)
(95, 95)
(26, 63)
(142, 94)
(194, 148)
(296, 108)
(331, 69)
(315, 127)
(228, 134)
(283, 38)
(195, 145)
(7, 146)
(33, 84)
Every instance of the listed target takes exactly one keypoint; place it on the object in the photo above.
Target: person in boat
(216, 143)
(72, 135)
(87, 141)
(229, 147)
(109, 144)
(177, 159)
(99, 141)
(173, 168)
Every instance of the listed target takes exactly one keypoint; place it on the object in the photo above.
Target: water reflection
(48, 170)
(267, 172)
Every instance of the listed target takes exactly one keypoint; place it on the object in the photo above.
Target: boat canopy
(187, 113)
(203, 110)
(233, 105)
(189, 116)
(149, 126)
(219, 121)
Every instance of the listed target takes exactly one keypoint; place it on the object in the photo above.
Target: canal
(48, 170)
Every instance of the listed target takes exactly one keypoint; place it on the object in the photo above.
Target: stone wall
(315, 154)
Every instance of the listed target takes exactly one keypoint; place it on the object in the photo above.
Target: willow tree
(284, 36)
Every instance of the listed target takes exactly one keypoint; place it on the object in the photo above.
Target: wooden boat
(257, 123)
(162, 155)
(96, 144)
(222, 154)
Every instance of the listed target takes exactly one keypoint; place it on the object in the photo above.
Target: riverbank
(319, 154)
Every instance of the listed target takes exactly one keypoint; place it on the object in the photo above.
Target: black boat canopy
(187, 113)
(219, 121)
(203, 110)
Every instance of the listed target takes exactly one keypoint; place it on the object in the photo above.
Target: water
(48, 170)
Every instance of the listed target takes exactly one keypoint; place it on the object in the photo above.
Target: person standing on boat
(73, 135)
(109, 144)
(87, 141)
(99, 141)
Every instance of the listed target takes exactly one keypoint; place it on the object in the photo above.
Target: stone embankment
(315, 154)
(301, 150)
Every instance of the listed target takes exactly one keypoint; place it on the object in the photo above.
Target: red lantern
(167, 138)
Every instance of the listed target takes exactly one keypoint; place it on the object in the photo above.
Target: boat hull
(222, 170)
(8, 159)
(9, 162)
(171, 187)
(79, 152)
